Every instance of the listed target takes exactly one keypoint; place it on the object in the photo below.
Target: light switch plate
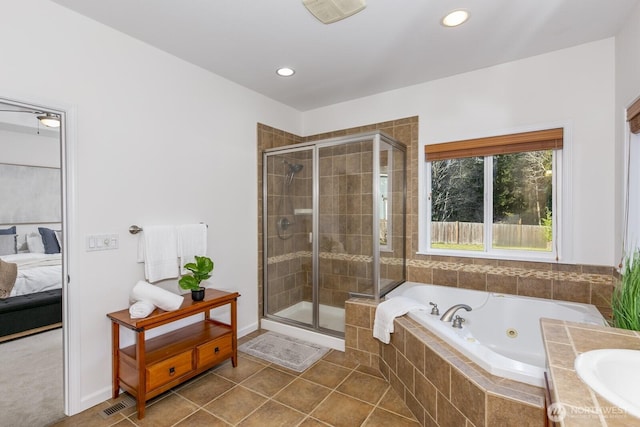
(101, 242)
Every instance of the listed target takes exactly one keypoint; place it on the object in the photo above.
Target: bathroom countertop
(578, 405)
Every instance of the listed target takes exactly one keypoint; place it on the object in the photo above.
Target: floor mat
(285, 351)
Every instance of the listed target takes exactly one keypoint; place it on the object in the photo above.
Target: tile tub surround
(586, 284)
(439, 385)
(564, 341)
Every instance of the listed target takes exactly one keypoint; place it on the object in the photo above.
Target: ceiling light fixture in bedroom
(50, 120)
(329, 11)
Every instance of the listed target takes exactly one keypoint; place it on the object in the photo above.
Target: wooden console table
(151, 367)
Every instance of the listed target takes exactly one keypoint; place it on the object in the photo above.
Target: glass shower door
(391, 214)
(287, 226)
(345, 227)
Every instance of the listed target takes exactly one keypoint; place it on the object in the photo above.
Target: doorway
(34, 218)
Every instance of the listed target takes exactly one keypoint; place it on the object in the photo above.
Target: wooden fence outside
(504, 235)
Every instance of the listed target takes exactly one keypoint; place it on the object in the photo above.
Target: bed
(33, 301)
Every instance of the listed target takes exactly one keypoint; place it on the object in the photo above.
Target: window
(495, 195)
(632, 184)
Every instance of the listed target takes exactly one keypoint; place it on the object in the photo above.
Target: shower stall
(334, 227)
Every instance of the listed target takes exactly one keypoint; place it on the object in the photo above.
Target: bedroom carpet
(32, 380)
(285, 351)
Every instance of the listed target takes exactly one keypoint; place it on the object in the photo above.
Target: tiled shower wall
(345, 225)
(578, 283)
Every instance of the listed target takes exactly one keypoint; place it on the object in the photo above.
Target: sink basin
(614, 374)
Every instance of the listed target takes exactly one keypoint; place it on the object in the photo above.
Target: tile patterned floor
(332, 392)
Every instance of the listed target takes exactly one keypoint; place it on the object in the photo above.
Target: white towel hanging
(192, 241)
(159, 252)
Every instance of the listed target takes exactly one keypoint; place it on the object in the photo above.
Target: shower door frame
(314, 146)
(265, 241)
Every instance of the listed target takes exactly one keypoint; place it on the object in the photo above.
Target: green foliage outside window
(522, 194)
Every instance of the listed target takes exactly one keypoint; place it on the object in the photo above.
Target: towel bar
(134, 229)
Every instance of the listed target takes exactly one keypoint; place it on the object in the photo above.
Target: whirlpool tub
(502, 332)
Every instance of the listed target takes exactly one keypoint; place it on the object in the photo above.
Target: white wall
(157, 141)
(573, 86)
(627, 90)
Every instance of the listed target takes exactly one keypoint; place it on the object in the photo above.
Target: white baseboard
(248, 329)
(93, 399)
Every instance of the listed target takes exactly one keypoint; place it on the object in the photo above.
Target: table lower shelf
(173, 358)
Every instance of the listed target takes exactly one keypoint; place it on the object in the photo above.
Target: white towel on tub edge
(387, 311)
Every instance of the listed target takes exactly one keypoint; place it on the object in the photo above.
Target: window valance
(633, 116)
(548, 139)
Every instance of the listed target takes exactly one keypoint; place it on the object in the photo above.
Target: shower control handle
(284, 223)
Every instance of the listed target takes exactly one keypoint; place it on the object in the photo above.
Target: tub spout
(448, 315)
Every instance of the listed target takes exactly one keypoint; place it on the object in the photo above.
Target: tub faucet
(435, 311)
(448, 315)
(457, 322)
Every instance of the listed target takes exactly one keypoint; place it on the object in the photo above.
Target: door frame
(70, 313)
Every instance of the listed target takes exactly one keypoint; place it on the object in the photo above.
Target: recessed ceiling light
(285, 72)
(455, 18)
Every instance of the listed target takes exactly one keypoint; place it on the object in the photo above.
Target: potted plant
(625, 301)
(200, 270)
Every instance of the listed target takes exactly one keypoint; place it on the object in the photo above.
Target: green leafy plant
(625, 301)
(200, 270)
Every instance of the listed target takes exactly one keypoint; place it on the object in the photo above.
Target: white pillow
(8, 244)
(34, 242)
(21, 243)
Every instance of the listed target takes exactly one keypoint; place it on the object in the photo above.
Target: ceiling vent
(328, 11)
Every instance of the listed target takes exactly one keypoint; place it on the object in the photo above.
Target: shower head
(294, 168)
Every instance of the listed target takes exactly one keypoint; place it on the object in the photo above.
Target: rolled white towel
(161, 298)
(141, 309)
